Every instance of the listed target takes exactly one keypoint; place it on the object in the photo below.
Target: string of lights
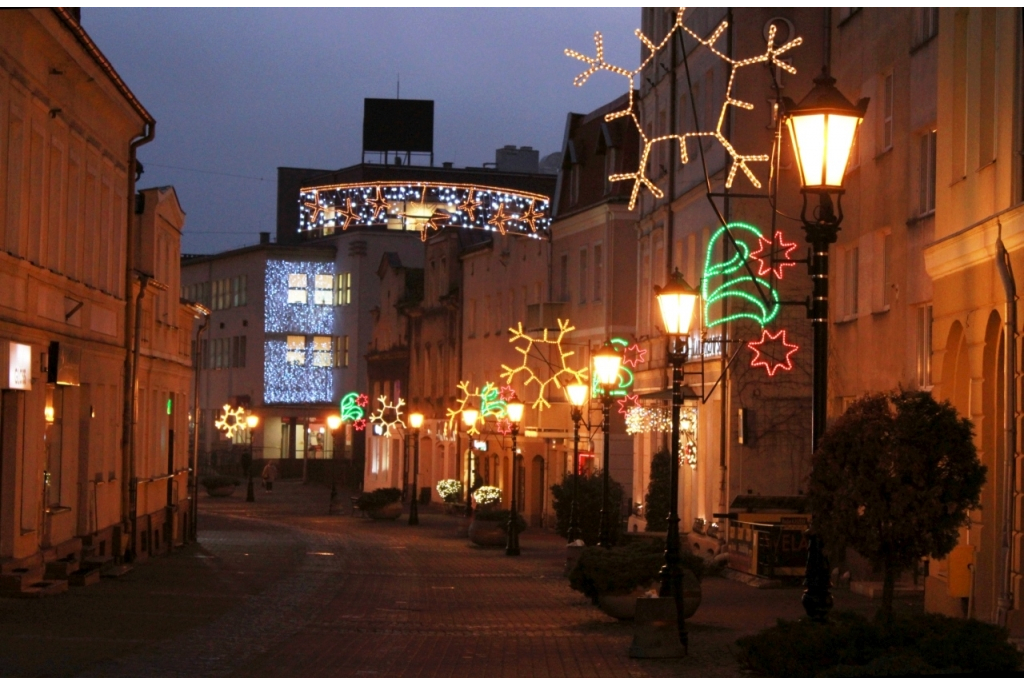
(286, 383)
(558, 369)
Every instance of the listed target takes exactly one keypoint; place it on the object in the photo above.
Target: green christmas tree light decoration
(737, 282)
(352, 407)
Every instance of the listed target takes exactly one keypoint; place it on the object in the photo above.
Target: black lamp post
(469, 417)
(515, 410)
(677, 302)
(251, 421)
(577, 393)
(822, 128)
(607, 361)
(415, 421)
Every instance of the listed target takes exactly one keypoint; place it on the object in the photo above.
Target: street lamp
(677, 302)
(334, 423)
(469, 417)
(577, 393)
(251, 421)
(415, 422)
(515, 410)
(607, 361)
(822, 128)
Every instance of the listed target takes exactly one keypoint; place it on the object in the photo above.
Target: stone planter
(389, 512)
(622, 605)
(222, 491)
(487, 534)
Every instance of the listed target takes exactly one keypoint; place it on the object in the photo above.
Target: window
(598, 271)
(924, 346)
(563, 278)
(886, 270)
(850, 281)
(53, 433)
(238, 295)
(341, 358)
(584, 276)
(926, 184)
(296, 353)
(345, 288)
(574, 184)
(296, 288)
(887, 108)
(323, 292)
(609, 169)
(322, 356)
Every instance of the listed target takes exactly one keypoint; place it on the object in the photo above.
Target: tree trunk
(888, 587)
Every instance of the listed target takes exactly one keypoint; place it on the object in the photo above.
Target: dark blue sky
(244, 91)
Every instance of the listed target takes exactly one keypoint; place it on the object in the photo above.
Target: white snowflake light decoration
(230, 420)
(739, 161)
(387, 415)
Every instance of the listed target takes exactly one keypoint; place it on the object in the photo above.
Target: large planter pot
(222, 491)
(487, 534)
(389, 512)
(622, 605)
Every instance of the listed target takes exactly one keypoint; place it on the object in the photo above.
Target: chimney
(264, 238)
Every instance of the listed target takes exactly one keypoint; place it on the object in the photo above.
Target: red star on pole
(504, 426)
(763, 255)
(506, 393)
(362, 400)
(771, 362)
(628, 402)
(634, 355)
(359, 424)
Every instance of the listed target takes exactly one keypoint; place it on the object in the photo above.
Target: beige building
(977, 250)
(71, 248)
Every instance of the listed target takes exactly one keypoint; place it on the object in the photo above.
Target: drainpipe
(194, 485)
(133, 409)
(127, 465)
(1005, 602)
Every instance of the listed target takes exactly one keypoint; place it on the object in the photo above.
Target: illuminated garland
(449, 489)
(286, 383)
(626, 377)
(423, 207)
(771, 362)
(740, 287)
(739, 161)
(659, 420)
(487, 494)
(491, 405)
(557, 369)
(280, 316)
(382, 415)
(230, 420)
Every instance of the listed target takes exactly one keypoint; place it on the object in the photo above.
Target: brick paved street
(279, 588)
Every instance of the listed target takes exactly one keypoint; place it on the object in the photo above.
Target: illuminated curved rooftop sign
(420, 206)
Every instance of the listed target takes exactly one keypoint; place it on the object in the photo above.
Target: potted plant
(450, 491)
(489, 527)
(381, 504)
(487, 497)
(220, 486)
(614, 578)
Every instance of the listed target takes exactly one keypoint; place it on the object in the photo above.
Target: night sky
(242, 92)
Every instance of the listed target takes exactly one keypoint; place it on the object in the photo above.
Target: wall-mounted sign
(15, 366)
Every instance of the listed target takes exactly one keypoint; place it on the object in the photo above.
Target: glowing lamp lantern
(577, 393)
(515, 410)
(334, 422)
(469, 416)
(677, 301)
(252, 421)
(823, 128)
(607, 361)
(416, 420)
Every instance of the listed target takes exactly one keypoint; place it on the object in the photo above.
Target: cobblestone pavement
(281, 588)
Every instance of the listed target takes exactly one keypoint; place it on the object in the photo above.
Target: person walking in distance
(269, 476)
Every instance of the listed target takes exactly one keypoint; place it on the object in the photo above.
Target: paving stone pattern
(281, 588)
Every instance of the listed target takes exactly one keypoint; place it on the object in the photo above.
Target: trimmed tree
(895, 478)
(590, 506)
(658, 490)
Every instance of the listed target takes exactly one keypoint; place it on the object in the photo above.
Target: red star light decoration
(634, 355)
(314, 206)
(379, 204)
(628, 402)
(531, 216)
(470, 205)
(763, 255)
(348, 214)
(771, 362)
(359, 424)
(362, 400)
(499, 219)
(504, 426)
(506, 393)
